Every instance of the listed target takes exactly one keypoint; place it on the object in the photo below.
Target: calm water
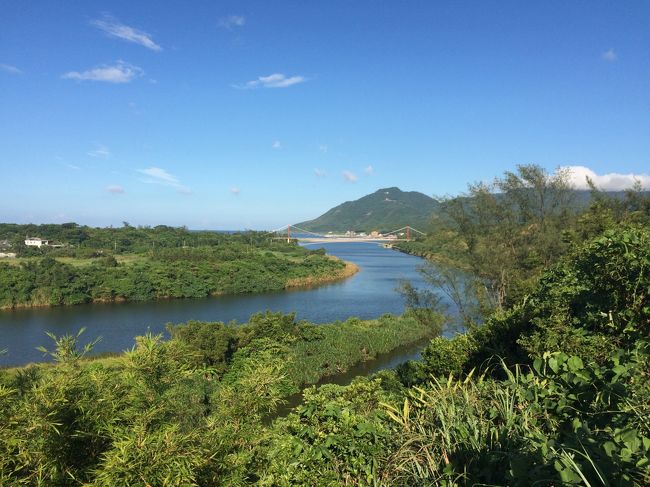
(368, 294)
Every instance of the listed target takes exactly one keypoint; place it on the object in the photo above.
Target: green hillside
(384, 210)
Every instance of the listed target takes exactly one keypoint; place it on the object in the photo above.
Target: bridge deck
(346, 239)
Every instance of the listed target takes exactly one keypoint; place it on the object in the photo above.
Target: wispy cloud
(8, 68)
(277, 145)
(71, 166)
(101, 151)
(114, 28)
(276, 80)
(232, 21)
(235, 190)
(612, 181)
(115, 189)
(319, 173)
(349, 176)
(610, 55)
(157, 175)
(120, 72)
(322, 148)
(369, 170)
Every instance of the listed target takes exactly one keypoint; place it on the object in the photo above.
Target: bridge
(290, 232)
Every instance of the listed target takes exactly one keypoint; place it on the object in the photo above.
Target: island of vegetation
(549, 383)
(140, 264)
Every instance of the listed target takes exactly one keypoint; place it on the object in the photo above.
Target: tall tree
(497, 238)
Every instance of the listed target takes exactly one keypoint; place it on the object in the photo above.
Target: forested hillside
(385, 210)
(389, 209)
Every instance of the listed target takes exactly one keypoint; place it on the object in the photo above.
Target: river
(368, 294)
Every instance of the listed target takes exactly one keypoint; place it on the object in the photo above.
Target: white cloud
(72, 166)
(8, 68)
(101, 151)
(276, 80)
(232, 21)
(319, 173)
(369, 170)
(113, 28)
(235, 190)
(277, 145)
(115, 189)
(612, 181)
(350, 176)
(610, 55)
(120, 72)
(158, 175)
(322, 148)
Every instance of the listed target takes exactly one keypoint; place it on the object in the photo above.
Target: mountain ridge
(384, 210)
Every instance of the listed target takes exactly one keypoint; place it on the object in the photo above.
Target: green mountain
(384, 210)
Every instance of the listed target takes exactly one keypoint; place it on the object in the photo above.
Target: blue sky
(228, 115)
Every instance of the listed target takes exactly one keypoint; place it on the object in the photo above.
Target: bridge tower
(408, 233)
(288, 233)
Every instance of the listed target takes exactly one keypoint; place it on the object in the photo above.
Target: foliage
(314, 351)
(188, 411)
(563, 422)
(594, 301)
(597, 299)
(336, 437)
(228, 265)
(492, 243)
(342, 345)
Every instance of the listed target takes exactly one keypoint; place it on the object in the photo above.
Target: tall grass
(450, 431)
(342, 345)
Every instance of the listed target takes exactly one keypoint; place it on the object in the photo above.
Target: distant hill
(388, 209)
(385, 210)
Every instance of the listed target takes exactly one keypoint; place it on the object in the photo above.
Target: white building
(36, 242)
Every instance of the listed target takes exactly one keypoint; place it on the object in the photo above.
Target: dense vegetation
(186, 411)
(385, 210)
(85, 241)
(138, 264)
(500, 405)
(549, 385)
(489, 247)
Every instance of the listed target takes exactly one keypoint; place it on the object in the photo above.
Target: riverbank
(349, 270)
(368, 294)
(312, 353)
(210, 386)
(423, 250)
(199, 273)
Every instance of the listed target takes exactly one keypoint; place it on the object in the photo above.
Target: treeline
(84, 241)
(164, 273)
